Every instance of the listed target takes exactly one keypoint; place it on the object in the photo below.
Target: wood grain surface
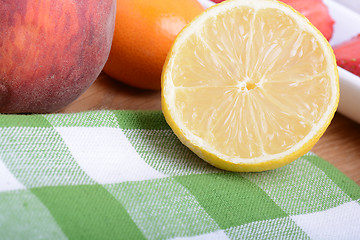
(340, 145)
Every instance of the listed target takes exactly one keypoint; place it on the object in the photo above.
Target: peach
(51, 51)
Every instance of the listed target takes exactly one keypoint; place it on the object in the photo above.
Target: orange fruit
(144, 33)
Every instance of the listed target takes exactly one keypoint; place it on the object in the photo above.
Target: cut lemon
(250, 85)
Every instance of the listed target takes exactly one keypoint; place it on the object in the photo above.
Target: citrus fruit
(144, 33)
(250, 85)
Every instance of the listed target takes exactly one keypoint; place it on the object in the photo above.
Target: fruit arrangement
(244, 91)
(51, 52)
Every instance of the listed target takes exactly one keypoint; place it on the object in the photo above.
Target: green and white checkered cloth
(125, 175)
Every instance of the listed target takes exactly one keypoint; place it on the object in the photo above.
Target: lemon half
(250, 85)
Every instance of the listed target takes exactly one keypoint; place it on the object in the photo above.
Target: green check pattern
(124, 175)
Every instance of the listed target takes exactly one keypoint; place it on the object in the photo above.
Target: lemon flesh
(250, 85)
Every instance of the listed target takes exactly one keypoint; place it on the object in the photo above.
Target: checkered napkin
(124, 175)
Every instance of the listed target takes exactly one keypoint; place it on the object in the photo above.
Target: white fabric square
(7, 180)
(342, 222)
(106, 155)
